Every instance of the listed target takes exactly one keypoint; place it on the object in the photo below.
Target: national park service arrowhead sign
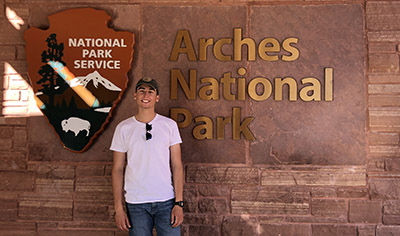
(78, 71)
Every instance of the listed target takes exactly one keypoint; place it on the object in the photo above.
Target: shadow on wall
(18, 96)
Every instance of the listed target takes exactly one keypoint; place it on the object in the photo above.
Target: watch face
(179, 203)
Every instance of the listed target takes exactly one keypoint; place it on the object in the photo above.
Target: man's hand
(176, 216)
(122, 221)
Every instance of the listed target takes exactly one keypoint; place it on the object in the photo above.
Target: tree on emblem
(51, 82)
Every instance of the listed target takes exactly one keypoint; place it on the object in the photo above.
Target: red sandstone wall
(50, 191)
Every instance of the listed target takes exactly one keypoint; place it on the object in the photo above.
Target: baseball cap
(148, 81)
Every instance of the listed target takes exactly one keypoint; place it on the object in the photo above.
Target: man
(147, 146)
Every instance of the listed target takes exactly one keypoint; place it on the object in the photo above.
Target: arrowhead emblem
(78, 71)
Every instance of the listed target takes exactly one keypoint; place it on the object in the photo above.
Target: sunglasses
(148, 129)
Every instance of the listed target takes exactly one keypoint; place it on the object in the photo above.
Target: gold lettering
(203, 44)
(328, 84)
(241, 84)
(252, 89)
(239, 127)
(187, 116)
(221, 123)
(205, 130)
(218, 49)
(189, 90)
(314, 89)
(209, 92)
(188, 49)
(279, 82)
(226, 82)
(239, 42)
(269, 45)
(289, 48)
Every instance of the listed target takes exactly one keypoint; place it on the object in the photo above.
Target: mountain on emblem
(97, 79)
(78, 74)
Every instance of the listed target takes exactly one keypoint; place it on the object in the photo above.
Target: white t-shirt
(148, 174)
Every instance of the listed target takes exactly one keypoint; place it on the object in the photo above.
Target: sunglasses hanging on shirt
(148, 129)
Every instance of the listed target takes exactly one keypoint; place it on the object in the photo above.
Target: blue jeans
(143, 217)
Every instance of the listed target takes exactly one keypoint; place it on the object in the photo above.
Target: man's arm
(177, 174)
(121, 219)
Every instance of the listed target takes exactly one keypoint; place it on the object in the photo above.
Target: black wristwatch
(180, 203)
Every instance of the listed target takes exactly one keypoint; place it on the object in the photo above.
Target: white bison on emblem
(76, 125)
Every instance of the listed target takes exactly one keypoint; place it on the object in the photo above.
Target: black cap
(148, 81)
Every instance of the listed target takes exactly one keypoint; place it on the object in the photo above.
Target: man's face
(146, 96)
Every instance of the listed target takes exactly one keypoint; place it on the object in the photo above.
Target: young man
(147, 146)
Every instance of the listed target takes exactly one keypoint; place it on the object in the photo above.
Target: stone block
(322, 192)
(390, 230)
(19, 121)
(215, 205)
(54, 185)
(381, 48)
(391, 207)
(53, 171)
(13, 160)
(391, 219)
(385, 188)
(384, 119)
(318, 176)
(93, 225)
(334, 230)
(90, 170)
(286, 229)
(91, 212)
(203, 219)
(392, 165)
(214, 190)
(391, 212)
(352, 192)
(20, 137)
(383, 78)
(384, 89)
(383, 63)
(18, 83)
(204, 230)
(108, 170)
(20, 53)
(222, 175)
(45, 206)
(365, 211)
(7, 52)
(366, 230)
(93, 184)
(18, 229)
(17, 181)
(316, 219)
(382, 15)
(239, 226)
(383, 100)
(269, 201)
(104, 198)
(328, 207)
(6, 144)
(190, 196)
(376, 165)
(383, 138)
(15, 111)
(75, 232)
(8, 209)
(6, 132)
